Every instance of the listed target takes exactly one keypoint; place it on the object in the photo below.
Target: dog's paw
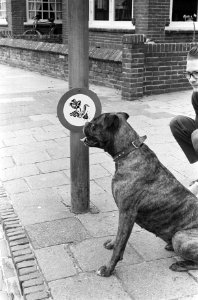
(103, 271)
(109, 244)
(174, 267)
(183, 266)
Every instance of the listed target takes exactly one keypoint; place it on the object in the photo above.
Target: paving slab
(16, 186)
(6, 162)
(47, 180)
(56, 232)
(54, 165)
(105, 183)
(59, 151)
(17, 172)
(104, 202)
(18, 140)
(98, 255)
(30, 157)
(100, 225)
(41, 197)
(88, 286)
(64, 192)
(24, 81)
(95, 188)
(155, 247)
(55, 262)
(38, 214)
(154, 280)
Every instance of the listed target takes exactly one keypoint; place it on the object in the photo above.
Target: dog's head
(75, 104)
(109, 131)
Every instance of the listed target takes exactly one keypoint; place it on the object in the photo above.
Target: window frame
(30, 21)
(180, 25)
(3, 21)
(111, 23)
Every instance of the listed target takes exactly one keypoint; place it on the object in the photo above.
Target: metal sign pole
(78, 47)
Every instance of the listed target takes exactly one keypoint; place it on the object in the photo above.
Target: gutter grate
(30, 277)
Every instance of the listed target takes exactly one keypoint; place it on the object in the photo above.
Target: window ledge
(182, 26)
(30, 22)
(3, 22)
(114, 25)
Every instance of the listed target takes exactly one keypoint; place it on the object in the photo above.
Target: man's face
(192, 68)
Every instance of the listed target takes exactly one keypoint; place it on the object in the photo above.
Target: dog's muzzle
(89, 142)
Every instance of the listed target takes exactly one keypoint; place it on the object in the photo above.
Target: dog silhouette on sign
(79, 112)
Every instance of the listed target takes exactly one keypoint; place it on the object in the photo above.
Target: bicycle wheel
(32, 32)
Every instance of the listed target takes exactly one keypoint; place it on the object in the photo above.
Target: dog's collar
(134, 145)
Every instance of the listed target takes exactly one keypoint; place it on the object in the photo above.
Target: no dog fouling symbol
(77, 107)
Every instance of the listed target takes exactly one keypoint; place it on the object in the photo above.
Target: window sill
(181, 26)
(112, 25)
(3, 22)
(30, 22)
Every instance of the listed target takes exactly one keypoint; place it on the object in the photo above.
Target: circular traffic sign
(76, 107)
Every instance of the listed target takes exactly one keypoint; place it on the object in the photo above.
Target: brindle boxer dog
(145, 192)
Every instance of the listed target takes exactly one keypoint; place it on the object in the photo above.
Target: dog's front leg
(126, 222)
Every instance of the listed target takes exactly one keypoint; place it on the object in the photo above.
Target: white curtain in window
(52, 6)
(34, 6)
(38, 6)
(102, 4)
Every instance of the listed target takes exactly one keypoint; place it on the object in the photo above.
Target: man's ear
(112, 122)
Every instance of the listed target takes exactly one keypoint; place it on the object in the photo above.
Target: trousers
(182, 128)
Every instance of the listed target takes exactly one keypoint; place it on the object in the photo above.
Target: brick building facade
(109, 20)
(119, 55)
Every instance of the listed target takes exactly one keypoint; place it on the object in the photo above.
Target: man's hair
(193, 53)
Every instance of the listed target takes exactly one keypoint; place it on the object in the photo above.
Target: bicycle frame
(35, 30)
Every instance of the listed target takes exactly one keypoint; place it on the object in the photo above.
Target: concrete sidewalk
(68, 248)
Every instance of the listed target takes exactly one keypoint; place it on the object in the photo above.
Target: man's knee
(194, 139)
(176, 124)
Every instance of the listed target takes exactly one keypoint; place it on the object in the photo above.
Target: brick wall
(180, 36)
(105, 67)
(133, 66)
(152, 68)
(41, 57)
(107, 38)
(52, 60)
(18, 9)
(164, 67)
(138, 69)
(151, 16)
(64, 21)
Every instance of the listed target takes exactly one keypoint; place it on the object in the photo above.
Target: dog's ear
(112, 121)
(125, 115)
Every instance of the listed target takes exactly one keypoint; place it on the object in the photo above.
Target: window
(3, 11)
(123, 10)
(46, 9)
(183, 13)
(182, 10)
(101, 10)
(111, 13)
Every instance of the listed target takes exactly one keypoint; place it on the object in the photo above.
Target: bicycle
(34, 31)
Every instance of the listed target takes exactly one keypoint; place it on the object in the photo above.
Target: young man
(185, 129)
